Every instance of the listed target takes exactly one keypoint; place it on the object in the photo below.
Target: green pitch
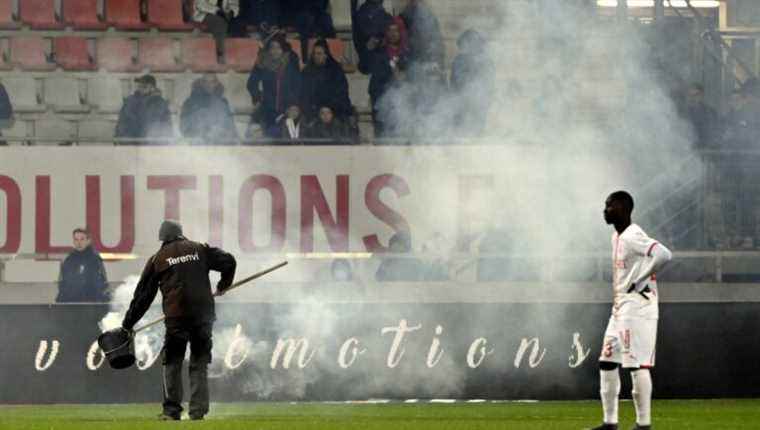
(668, 414)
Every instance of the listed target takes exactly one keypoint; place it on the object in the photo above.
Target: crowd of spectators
(403, 56)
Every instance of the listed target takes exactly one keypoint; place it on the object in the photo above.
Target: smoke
(576, 101)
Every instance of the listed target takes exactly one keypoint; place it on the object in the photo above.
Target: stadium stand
(82, 15)
(25, 95)
(31, 53)
(40, 14)
(8, 18)
(105, 93)
(241, 54)
(237, 93)
(124, 14)
(64, 95)
(200, 55)
(4, 57)
(91, 130)
(159, 54)
(73, 53)
(116, 54)
(53, 130)
(167, 15)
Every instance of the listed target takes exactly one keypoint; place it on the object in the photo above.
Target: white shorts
(630, 342)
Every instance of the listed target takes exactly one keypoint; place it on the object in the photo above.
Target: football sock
(642, 396)
(609, 389)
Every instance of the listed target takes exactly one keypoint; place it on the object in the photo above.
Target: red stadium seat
(8, 19)
(241, 53)
(31, 53)
(159, 55)
(167, 15)
(124, 14)
(116, 54)
(40, 14)
(73, 53)
(200, 54)
(82, 15)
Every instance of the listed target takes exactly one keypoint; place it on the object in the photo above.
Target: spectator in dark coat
(311, 18)
(6, 111)
(702, 117)
(263, 14)
(83, 276)
(425, 37)
(329, 127)
(472, 82)
(275, 82)
(369, 23)
(145, 113)
(387, 64)
(324, 84)
(206, 114)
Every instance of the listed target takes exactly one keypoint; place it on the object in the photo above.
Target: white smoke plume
(576, 102)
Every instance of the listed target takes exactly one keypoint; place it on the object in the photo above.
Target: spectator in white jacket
(216, 15)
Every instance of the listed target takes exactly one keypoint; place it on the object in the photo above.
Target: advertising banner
(353, 351)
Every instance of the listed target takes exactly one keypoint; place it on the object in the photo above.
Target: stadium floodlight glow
(650, 3)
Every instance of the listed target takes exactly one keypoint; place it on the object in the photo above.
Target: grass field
(668, 414)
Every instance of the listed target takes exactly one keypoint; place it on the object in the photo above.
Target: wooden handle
(233, 286)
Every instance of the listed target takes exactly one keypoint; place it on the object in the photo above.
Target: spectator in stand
(311, 18)
(369, 23)
(216, 15)
(387, 62)
(472, 82)
(206, 116)
(275, 83)
(263, 14)
(702, 117)
(6, 112)
(329, 127)
(425, 37)
(394, 269)
(324, 84)
(145, 114)
(292, 125)
(82, 277)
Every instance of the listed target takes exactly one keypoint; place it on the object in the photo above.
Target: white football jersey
(630, 250)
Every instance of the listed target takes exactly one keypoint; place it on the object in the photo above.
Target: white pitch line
(443, 401)
(411, 401)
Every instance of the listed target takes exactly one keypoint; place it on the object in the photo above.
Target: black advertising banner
(355, 351)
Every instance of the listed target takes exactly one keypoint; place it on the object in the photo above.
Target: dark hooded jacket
(369, 20)
(425, 37)
(280, 83)
(379, 63)
(180, 270)
(325, 85)
(82, 278)
(336, 131)
(207, 116)
(144, 115)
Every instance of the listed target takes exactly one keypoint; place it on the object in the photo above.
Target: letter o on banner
(92, 353)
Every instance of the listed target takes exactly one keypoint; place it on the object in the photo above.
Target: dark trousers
(178, 334)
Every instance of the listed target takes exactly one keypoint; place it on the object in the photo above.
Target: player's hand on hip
(641, 291)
